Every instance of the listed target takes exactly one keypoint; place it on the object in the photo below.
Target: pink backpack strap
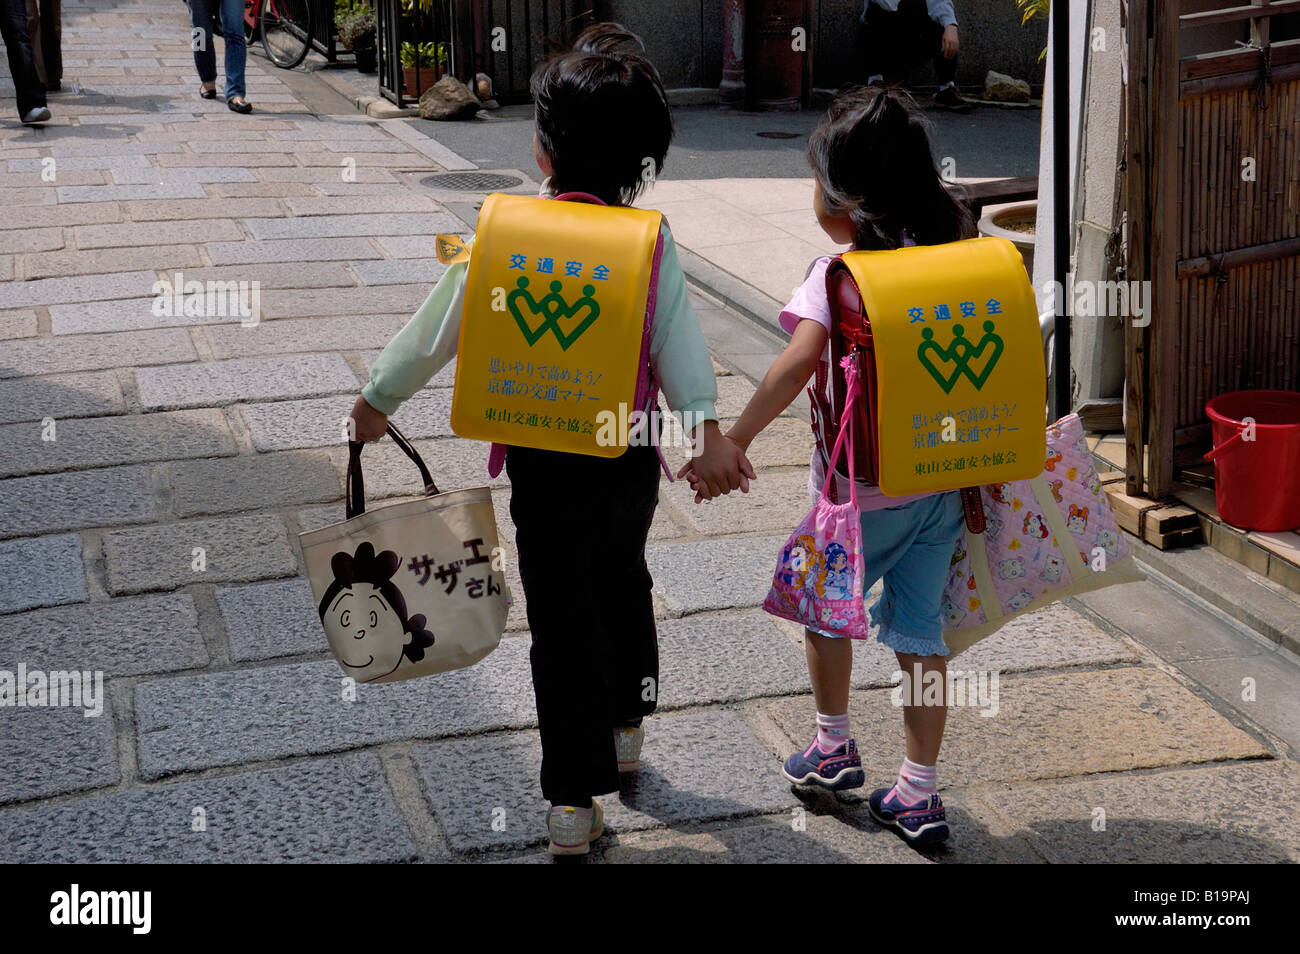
(647, 387)
(580, 197)
(496, 460)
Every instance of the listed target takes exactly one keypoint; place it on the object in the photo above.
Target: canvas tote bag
(408, 589)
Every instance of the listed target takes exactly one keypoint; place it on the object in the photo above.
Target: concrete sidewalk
(175, 432)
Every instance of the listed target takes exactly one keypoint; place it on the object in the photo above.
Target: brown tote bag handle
(354, 494)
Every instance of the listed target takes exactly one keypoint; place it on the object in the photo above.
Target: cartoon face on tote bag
(364, 615)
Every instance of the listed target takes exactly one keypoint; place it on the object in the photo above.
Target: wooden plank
(1174, 539)
(1110, 477)
(1102, 414)
(1163, 366)
(1261, 8)
(976, 195)
(1220, 62)
(1136, 108)
(1129, 508)
(1167, 518)
(1259, 30)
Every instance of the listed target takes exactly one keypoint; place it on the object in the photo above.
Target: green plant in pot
(355, 25)
(1031, 9)
(422, 64)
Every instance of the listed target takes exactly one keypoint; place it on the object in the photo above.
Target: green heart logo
(552, 309)
(521, 293)
(991, 341)
(960, 353)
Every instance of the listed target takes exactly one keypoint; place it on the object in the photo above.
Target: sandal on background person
(231, 15)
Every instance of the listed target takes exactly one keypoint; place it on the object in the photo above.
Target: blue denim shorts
(911, 547)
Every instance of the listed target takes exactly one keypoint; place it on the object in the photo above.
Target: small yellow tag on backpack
(551, 330)
(961, 384)
(451, 249)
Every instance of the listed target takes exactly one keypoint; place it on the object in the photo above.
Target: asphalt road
(716, 144)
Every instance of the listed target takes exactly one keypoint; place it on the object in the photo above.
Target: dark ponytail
(871, 155)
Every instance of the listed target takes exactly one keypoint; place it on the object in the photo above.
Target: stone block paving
(159, 453)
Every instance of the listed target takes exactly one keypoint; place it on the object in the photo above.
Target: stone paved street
(129, 438)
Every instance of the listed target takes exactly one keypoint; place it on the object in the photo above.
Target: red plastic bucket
(1257, 482)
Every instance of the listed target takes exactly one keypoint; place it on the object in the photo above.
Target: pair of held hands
(719, 466)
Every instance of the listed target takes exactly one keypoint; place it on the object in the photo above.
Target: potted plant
(355, 25)
(1015, 223)
(422, 64)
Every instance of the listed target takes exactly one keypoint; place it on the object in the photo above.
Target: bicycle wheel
(286, 31)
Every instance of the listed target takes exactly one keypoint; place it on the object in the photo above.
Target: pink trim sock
(832, 731)
(916, 783)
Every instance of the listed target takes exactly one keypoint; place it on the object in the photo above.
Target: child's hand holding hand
(719, 467)
(368, 424)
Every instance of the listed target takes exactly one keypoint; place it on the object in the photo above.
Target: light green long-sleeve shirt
(428, 341)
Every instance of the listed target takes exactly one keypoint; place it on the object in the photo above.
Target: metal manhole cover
(778, 135)
(471, 181)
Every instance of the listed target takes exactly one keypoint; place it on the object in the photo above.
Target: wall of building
(684, 38)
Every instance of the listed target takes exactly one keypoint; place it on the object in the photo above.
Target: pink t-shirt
(811, 304)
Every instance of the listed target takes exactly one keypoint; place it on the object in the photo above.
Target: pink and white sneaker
(574, 829)
(627, 746)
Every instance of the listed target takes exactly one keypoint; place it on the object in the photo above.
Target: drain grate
(778, 135)
(471, 181)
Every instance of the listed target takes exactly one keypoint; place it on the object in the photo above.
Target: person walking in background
(202, 13)
(22, 65)
(45, 31)
(897, 35)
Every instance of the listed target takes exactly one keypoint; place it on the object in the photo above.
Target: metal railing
(394, 28)
(322, 29)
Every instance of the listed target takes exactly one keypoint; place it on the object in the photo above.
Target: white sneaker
(574, 829)
(40, 114)
(627, 746)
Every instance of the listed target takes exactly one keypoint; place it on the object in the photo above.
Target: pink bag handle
(580, 197)
(851, 394)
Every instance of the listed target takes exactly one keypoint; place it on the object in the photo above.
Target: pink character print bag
(818, 580)
(1044, 539)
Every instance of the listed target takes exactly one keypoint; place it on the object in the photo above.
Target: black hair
(871, 155)
(377, 569)
(602, 115)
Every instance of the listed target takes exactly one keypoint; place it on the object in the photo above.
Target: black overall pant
(581, 526)
(892, 44)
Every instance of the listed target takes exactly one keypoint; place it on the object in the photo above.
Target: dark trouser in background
(893, 44)
(231, 13)
(22, 67)
(45, 31)
(581, 525)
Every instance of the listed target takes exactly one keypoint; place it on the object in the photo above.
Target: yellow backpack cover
(947, 337)
(554, 334)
